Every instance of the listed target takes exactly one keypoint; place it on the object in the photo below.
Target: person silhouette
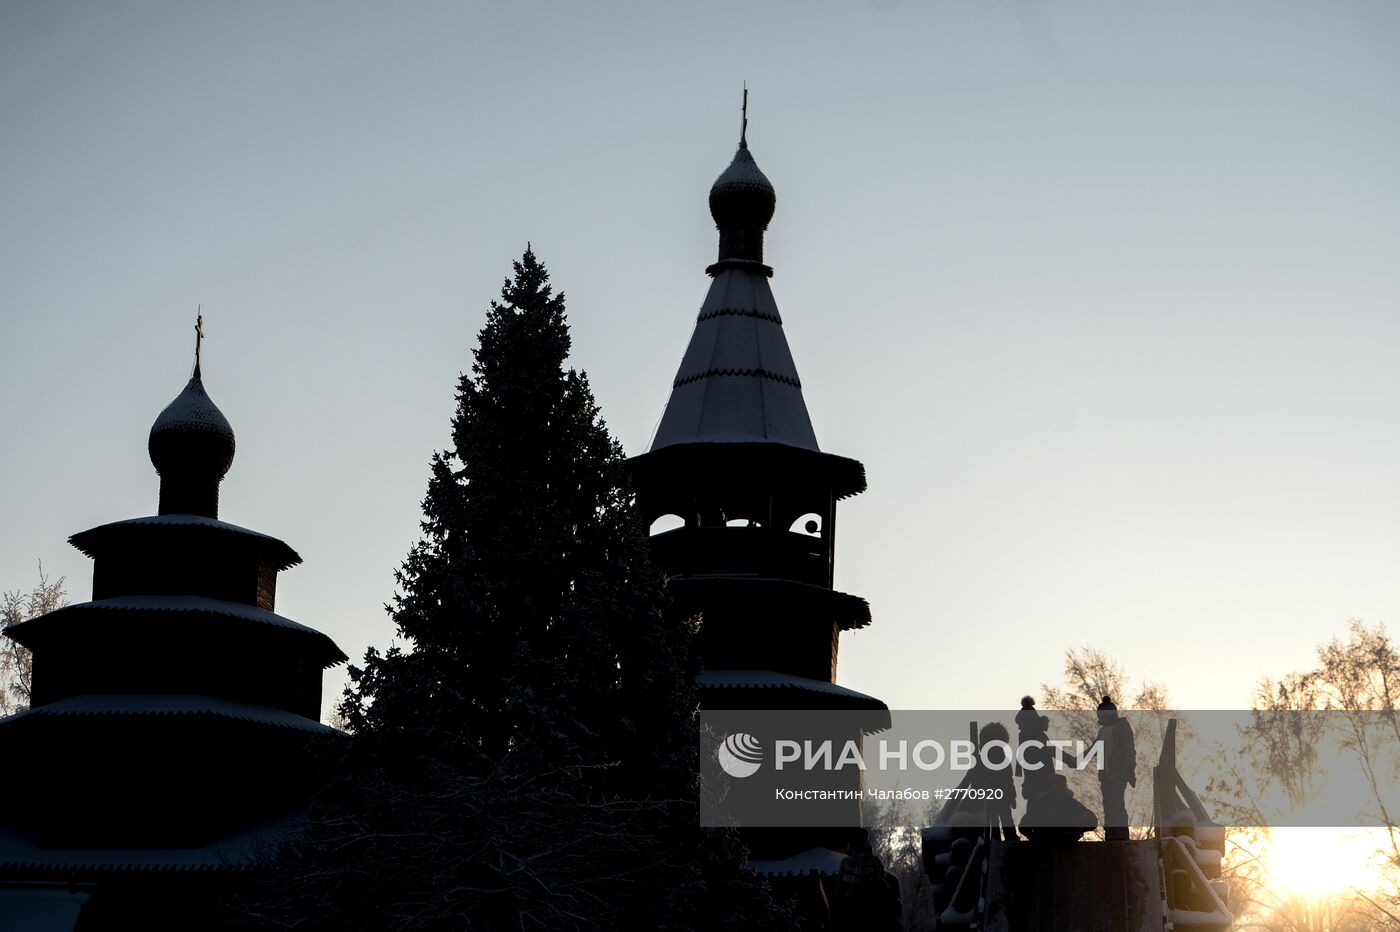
(1119, 768)
(1001, 802)
(1027, 715)
(1029, 728)
(1052, 812)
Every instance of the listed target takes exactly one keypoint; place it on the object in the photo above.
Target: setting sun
(1317, 863)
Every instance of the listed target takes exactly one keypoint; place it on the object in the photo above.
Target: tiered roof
(178, 680)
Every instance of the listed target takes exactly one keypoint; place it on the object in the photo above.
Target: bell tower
(742, 501)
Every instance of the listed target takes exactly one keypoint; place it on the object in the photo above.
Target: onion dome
(192, 435)
(742, 202)
(191, 447)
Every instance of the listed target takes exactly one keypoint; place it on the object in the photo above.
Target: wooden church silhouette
(170, 714)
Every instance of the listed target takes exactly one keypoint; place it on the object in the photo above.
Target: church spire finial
(744, 126)
(198, 338)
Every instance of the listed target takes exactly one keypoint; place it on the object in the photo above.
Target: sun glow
(1318, 863)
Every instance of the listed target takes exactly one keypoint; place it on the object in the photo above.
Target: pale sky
(1104, 295)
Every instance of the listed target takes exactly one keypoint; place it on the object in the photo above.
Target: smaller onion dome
(742, 196)
(742, 202)
(191, 446)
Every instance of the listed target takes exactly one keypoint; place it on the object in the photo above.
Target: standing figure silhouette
(1119, 769)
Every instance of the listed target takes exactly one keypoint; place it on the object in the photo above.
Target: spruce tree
(532, 618)
(525, 757)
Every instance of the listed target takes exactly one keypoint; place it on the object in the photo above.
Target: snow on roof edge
(191, 603)
(84, 539)
(812, 861)
(770, 679)
(169, 704)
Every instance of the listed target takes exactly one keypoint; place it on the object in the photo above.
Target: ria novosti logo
(740, 755)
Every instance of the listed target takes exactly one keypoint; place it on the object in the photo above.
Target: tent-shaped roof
(737, 382)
